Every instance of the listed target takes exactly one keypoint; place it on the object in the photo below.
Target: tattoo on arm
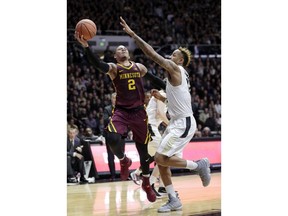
(150, 52)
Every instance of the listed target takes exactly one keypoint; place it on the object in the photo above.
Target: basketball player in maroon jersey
(129, 110)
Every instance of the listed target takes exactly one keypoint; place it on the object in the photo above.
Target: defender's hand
(126, 28)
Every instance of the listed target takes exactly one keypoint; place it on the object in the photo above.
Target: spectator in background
(151, 68)
(218, 121)
(197, 134)
(75, 159)
(211, 122)
(91, 122)
(200, 71)
(204, 116)
(218, 106)
(108, 111)
(206, 132)
(90, 137)
(71, 122)
(81, 133)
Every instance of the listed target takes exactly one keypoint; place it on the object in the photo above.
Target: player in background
(182, 124)
(129, 111)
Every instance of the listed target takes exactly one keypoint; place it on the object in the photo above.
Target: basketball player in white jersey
(182, 125)
(156, 111)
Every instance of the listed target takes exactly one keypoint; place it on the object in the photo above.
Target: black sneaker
(83, 180)
(72, 181)
(157, 194)
(162, 190)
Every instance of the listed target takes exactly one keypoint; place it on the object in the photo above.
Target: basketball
(87, 28)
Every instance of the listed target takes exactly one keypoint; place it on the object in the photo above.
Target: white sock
(147, 175)
(170, 190)
(191, 165)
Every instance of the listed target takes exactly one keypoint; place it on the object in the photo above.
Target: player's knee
(160, 159)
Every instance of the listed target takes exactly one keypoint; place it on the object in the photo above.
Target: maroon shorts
(135, 119)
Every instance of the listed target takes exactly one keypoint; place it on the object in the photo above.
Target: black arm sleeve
(96, 61)
(156, 81)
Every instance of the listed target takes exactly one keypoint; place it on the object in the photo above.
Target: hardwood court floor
(126, 198)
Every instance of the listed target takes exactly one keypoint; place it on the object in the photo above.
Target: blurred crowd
(159, 22)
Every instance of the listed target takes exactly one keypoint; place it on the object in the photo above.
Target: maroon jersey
(129, 86)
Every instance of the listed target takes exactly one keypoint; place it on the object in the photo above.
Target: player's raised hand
(81, 39)
(126, 28)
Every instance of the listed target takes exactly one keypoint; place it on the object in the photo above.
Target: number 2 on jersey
(131, 84)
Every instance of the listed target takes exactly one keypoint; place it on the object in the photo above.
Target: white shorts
(154, 144)
(177, 135)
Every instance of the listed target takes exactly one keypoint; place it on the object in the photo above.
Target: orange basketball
(87, 28)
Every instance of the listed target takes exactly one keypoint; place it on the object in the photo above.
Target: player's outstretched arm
(167, 64)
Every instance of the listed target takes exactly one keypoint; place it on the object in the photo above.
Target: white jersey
(179, 98)
(182, 124)
(153, 117)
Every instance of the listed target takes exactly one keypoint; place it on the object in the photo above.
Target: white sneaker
(203, 170)
(136, 178)
(173, 204)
